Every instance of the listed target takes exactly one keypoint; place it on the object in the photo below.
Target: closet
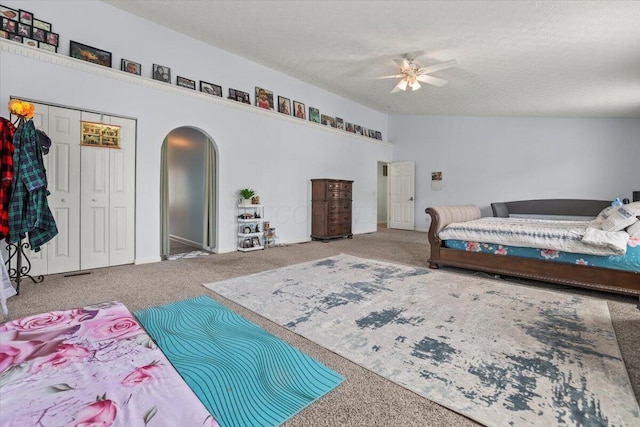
(92, 194)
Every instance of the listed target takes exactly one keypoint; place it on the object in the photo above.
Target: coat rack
(23, 265)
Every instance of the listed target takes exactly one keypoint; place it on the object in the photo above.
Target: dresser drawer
(334, 206)
(339, 218)
(338, 194)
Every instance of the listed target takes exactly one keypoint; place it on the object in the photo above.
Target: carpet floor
(365, 398)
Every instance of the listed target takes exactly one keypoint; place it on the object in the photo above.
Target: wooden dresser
(330, 209)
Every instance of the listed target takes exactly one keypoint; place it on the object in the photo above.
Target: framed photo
(161, 73)
(29, 42)
(255, 241)
(100, 135)
(210, 88)
(15, 38)
(339, 123)
(185, 82)
(9, 26)
(52, 38)
(42, 25)
(264, 98)
(130, 67)
(328, 120)
(26, 17)
(299, 110)
(357, 129)
(379, 135)
(349, 127)
(88, 53)
(47, 46)
(4, 34)
(24, 30)
(9, 13)
(314, 115)
(284, 105)
(39, 34)
(242, 97)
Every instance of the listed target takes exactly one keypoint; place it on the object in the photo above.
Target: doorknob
(94, 200)
(63, 200)
(411, 199)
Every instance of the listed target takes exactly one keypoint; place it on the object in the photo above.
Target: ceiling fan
(412, 73)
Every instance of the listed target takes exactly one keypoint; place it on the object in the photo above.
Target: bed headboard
(568, 207)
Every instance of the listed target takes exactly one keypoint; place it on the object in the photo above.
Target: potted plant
(246, 194)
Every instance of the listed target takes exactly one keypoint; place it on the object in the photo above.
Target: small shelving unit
(250, 228)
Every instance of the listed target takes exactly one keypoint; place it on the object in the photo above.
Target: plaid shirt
(28, 209)
(7, 129)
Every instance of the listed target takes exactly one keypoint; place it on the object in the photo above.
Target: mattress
(628, 262)
(90, 366)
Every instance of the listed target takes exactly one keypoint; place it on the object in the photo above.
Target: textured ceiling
(518, 58)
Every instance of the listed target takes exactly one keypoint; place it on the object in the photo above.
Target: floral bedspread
(92, 366)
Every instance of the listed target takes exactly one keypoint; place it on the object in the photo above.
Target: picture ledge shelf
(77, 64)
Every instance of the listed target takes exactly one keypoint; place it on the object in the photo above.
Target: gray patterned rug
(186, 255)
(499, 353)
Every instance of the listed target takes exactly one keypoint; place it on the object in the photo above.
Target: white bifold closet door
(108, 199)
(92, 194)
(62, 163)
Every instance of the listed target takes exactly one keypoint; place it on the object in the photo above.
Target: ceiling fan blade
(402, 85)
(402, 63)
(397, 76)
(437, 67)
(432, 80)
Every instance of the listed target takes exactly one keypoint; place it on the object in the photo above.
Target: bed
(567, 268)
(90, 366)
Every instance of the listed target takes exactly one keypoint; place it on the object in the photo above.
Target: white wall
(186, 164)
(489, 159)
(274, 154)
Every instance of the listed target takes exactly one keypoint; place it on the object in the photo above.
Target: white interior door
(94, 206)
(123, 192)
(401, 195)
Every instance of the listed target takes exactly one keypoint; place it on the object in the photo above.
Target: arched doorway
(188, 190)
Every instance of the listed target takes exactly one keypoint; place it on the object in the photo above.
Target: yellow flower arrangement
(22, 109)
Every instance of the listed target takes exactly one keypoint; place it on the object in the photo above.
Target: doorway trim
(210, 217)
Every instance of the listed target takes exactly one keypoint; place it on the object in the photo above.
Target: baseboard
(186, 241)
(139, 261)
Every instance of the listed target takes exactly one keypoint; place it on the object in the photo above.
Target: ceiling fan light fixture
(414, 85)
(402, 85)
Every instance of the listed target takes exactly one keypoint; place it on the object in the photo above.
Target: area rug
(186, 255)
(499, 353)
(242, 374)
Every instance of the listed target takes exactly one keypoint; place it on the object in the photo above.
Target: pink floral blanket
(92, 366)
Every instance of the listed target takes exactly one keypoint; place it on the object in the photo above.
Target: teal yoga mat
(241, 373)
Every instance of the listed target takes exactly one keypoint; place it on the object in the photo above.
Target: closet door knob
(63, 200)
(94, 200)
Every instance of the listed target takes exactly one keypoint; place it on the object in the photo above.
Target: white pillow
(620, 217)
(604, 214)
(634, 229)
